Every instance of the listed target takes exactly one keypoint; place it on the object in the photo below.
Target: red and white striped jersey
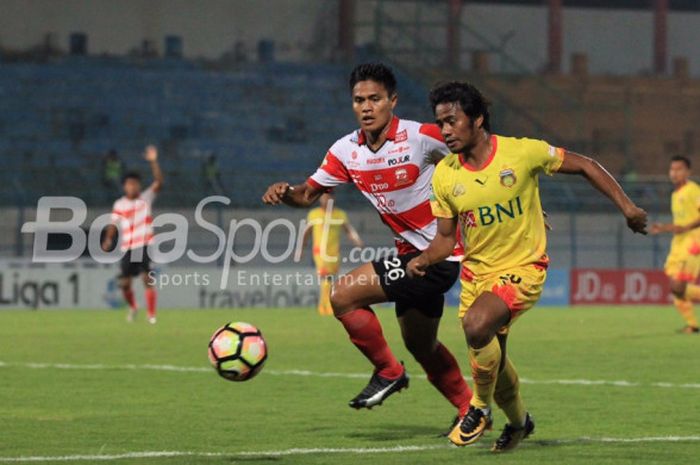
(133, 218)
(396, 179)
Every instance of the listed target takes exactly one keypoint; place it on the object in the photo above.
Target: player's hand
(275, 193)
(417, 266)
(637, 220)
(150, 153)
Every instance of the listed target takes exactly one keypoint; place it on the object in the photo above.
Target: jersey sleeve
(331, 173)
(149, 195)
(544, 157)
(432, 143)
(439, 199)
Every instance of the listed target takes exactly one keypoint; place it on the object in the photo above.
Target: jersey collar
(494, 147)
(390, 133)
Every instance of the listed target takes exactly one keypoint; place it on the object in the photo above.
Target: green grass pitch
(86, 383)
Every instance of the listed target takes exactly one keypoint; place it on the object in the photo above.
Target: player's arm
(151, 156)
(301, 195)
(108, 239)
(353, 235)
(440, 248)
(599, 178)
(674, 228)
(660, 228)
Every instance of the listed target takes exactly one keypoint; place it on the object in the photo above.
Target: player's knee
(477, 330)
(678, 288)
(124, 284)
(341, 299)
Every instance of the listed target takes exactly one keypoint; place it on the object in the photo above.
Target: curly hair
(470, 99)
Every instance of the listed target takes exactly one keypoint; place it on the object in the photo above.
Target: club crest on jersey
(458, 190)
(401, 176)
(508, 178)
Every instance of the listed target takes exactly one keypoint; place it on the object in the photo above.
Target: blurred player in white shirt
(132, 218)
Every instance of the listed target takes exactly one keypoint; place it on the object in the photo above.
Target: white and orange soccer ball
(237, 351)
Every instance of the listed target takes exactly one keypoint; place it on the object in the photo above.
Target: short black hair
(131, 175)
(685, 160)
(377, 72)
(470, 99)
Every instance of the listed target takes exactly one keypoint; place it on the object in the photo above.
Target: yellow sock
(507, 394)
(485, 363)
(324, 300)
(685, 308)
(692, 292)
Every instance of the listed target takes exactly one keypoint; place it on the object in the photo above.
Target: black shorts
(424, 293)
(136, 266)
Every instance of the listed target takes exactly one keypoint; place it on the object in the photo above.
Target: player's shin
(151, 299)
(324, 302)
(365, 331)
(685, 308)
(507, 394)
(444, 373)
(129, 298)
(484, 364)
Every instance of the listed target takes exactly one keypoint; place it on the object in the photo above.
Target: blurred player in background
(324, 224)
(132, 217)
(683, 262)
(488, 186)
(391, 162)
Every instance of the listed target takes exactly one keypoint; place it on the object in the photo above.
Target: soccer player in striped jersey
(488, 190)
(391, 162)
(132, 218)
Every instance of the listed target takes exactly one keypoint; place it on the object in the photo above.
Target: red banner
(625, 287)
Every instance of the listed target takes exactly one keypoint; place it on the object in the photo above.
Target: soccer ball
(237, 351)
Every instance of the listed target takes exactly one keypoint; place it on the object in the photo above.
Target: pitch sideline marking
(175, 368)
(321, 450)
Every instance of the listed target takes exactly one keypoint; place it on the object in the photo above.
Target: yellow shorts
(520, 288)
(326, 268)
(684, 268)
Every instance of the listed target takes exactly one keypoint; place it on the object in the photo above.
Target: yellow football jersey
(326, 237)
(685, 207)
(498, 206)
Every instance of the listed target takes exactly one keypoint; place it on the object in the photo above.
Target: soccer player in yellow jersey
(324, 224)
(683, 262)
(488, 187)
